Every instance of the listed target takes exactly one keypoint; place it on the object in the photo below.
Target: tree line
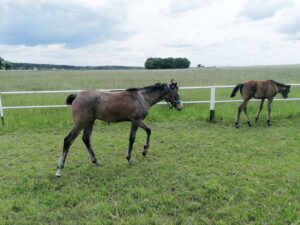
(167, 63)
(151, 63)
(34, 66)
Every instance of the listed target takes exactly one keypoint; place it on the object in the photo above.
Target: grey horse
(130, 105)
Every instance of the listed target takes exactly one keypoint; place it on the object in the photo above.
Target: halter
(169, 88)
(176, 101)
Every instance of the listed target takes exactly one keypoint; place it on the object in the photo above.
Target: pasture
(195, 172)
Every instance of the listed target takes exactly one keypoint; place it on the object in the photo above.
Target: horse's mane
(277, 83)
(157, 86)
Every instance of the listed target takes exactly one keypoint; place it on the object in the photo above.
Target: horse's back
(258, 89)
(101, 97)
(108, 106)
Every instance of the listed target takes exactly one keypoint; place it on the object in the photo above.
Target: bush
(167, 63)
(4, 64)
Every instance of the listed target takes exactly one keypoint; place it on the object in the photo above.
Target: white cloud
(288, 23)
(66, 23)
(210, 32)
(258, 9)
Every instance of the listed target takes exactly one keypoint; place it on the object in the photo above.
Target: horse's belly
(112, 118)
(258, 97)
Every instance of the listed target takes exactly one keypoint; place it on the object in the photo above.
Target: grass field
(195, 172)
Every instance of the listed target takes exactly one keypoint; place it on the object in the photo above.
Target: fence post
(212, 104)
(1, 111)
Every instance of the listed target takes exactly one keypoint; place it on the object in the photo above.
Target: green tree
(167, 63)
(182, 63)
(5, 64)
(2, 62)
(149, 64)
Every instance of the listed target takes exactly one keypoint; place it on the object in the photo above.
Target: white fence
(212, 101)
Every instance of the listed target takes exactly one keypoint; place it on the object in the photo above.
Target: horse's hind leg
(134, 128)
(148, 131)
(237, 122)
(243, 107)
(269, 111)
(69, 139)
(86, 138)
(246, 113)
(259, 110)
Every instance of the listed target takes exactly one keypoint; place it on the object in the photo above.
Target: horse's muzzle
(179, 107)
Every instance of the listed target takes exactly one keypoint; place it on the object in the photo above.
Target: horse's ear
(173, 85)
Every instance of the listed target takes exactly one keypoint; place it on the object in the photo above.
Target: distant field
(56, 80)
(70, 80)
(195, 172)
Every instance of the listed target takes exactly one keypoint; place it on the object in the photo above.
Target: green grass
(70, 80)
(195, 172)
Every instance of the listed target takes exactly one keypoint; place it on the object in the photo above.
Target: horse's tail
(70, 99)
(235, 90)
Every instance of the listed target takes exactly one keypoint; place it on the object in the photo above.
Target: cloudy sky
(119, 32)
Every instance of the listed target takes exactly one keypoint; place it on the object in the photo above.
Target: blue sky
(115, 32)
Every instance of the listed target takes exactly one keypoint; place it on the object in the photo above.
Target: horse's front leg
(148, 132)
(269, 111)
(134, 128)
(86, 138)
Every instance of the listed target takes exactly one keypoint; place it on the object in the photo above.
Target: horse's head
(173, 98)
(285, 91)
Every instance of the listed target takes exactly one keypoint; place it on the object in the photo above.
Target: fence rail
(212, 100)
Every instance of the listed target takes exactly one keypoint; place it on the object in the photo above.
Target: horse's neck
(151, 98)
(278, 87)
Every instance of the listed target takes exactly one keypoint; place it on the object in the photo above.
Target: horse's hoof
(256, 119)
(249, 123)
(130, 162)
(237, 125)
(128, 159)
(269, 122)
(144, 153)
(96, 163)
(58, 173)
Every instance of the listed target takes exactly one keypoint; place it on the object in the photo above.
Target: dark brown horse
(130, 105)
(259, 89)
